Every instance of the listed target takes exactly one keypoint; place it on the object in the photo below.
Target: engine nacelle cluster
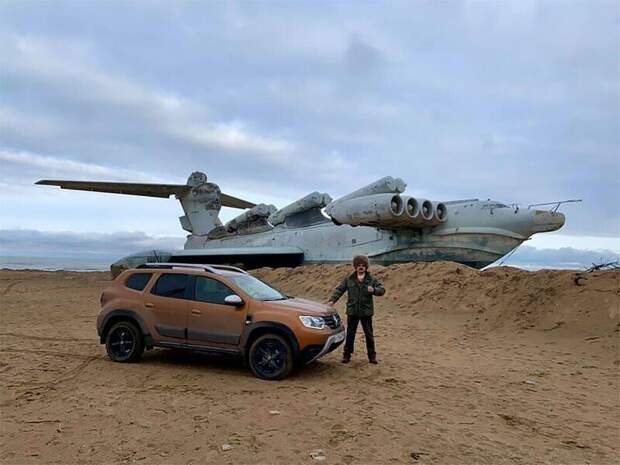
(381, 204)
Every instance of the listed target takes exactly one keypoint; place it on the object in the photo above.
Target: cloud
(459, 99)
(21, 242)
(67, 70)
(55, 166)
(233, 137)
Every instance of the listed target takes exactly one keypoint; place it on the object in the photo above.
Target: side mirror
(233, 299)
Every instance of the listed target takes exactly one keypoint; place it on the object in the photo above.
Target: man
(360, 286)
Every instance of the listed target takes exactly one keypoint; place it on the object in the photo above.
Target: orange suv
(214, 308)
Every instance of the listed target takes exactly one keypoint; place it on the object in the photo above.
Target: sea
(103, 262)
(66, 263)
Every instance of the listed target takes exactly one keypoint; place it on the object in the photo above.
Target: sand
(495, 367)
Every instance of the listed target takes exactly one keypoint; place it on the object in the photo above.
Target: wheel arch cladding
(121, 315)
(264, 327)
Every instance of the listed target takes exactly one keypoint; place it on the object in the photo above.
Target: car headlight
(314, 322)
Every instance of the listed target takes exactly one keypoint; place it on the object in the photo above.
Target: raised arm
(340, 289)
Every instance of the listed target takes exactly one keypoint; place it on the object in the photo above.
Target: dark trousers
(352, 322)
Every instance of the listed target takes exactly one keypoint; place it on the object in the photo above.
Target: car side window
(138, 281)
(211, 291)
(171, 285)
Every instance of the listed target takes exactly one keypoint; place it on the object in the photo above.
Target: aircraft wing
(146, 190)
(250, 257)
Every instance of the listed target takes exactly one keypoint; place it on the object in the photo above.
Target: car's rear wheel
(124, 342)
(271, 357)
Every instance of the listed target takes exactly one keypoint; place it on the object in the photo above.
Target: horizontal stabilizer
(128, 188)
(234, 202)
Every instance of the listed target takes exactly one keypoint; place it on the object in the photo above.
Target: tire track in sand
(10, 286)
(46, 338)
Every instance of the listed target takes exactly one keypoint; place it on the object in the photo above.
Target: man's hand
(371, 290)
(330, 303)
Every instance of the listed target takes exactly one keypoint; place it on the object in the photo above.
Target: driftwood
(604, 266)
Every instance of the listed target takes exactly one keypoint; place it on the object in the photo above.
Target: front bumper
(314, 352)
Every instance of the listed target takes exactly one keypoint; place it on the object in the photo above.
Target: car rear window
(138, 281)
(171, 285)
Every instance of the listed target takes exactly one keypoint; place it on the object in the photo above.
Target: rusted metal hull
(328, 243)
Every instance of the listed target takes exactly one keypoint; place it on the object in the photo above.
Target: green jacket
(359, 300)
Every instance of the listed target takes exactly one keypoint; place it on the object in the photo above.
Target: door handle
(148, 305)
(196, 312)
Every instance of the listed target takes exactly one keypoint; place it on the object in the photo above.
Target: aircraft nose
(545, 220)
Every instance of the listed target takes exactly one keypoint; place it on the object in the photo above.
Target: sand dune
(501, 297)
(495, 367)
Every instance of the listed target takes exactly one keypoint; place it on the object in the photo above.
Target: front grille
(332, 321)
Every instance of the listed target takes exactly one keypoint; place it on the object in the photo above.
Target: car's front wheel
(271, 357)
(124, 342)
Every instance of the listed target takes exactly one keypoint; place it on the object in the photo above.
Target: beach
(503, 366)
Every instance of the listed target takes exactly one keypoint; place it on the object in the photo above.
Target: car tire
(270, 357)
(124, 342)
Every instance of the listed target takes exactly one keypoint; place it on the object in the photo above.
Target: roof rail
(229, 268)
(216, 269)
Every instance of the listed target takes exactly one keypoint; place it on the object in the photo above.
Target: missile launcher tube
(313, 200)
(385, 185)
(253, 215)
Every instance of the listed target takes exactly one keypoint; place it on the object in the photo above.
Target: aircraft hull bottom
(476, 250)
(327, 243)
(473, 250)
(473, 258)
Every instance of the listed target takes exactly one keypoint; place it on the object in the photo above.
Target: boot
(373, 359)
(346, 358)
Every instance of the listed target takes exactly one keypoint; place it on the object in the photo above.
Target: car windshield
(257, 289)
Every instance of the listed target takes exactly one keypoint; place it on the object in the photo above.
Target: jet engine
(369, 210)
(441, 212)
(423, 212)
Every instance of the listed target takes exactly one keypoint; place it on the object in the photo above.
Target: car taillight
(103, 299)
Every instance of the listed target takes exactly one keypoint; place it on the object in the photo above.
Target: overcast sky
(516, 101)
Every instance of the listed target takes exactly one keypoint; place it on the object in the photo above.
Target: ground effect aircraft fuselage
(377, 220)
